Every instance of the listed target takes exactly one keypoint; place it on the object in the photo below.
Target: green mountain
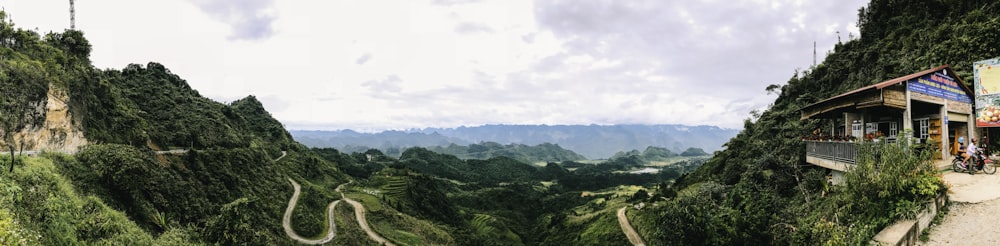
(592, 141)
(138, 157)
(545, 152)
(229, 183)
(498, 201)
(759, 190)
(229, 187)
(650, 154)
(693, 152)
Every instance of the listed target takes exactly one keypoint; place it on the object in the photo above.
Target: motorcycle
(979, 160)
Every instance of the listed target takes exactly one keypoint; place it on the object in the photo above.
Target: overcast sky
(374, 65)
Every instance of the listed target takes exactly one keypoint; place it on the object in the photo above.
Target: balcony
(836, 155)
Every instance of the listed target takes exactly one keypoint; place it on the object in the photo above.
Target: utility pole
(72, 16)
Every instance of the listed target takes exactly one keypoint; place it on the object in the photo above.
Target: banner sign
(938, 85)
(987, 83)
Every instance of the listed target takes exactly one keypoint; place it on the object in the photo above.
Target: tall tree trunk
(11, 158)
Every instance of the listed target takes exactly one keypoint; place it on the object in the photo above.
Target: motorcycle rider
(969, 151)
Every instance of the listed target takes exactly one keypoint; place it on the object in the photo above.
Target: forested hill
(779, 199)
(591, 141)
(541, 153)
(228, 188)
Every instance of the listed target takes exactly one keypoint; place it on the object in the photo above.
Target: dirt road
(972, 216)
(633, 236)
(359, 214)
(283, 154)
(286, 221)
(968, 224)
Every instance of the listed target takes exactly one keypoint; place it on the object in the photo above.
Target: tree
(640, 195)
(21, 83)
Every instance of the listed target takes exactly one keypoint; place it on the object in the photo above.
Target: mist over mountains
(592, 141)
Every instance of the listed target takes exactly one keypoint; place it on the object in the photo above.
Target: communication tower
(72, 16)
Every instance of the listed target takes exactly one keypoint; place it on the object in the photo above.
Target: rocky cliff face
(58, 132)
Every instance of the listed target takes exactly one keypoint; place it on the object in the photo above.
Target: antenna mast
(72, 16)
(814, 51)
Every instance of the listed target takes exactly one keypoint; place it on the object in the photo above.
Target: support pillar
(908, 115)
(945, 144)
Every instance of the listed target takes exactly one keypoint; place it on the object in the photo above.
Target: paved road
(359, 214)
(633, 236)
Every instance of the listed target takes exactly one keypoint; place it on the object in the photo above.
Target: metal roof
(896, 81)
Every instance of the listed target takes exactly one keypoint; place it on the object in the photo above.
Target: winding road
(283, 154)
(286, 222)
(359, 214)
(633, 236)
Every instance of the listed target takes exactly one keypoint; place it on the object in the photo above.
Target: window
(893, 129)
(856, 129)
(923, 128)
(871, 127)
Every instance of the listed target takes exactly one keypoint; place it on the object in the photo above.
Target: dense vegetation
(762, 176)
(226, 189)
(657, 154)
(499, 200)
(230, 189)
(39, 206)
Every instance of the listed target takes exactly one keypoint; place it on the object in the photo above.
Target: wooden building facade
(934, 104)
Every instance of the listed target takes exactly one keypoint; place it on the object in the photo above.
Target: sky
(385, 64)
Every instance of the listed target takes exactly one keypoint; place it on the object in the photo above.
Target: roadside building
(934, 104)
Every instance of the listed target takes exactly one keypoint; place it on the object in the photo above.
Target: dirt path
(968, 224)
(971, 219)
(286, 221)
(283, 154)
(359, 214)
(633, 236)
(972, 188)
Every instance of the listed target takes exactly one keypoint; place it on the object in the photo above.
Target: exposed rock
(58, 132)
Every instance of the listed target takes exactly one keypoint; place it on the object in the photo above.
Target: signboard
(939, 85)
(987, 83)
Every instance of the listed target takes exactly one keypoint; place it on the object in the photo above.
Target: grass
(348, 231)
(39, 206)
(372, 203)
(395, 226)
(310, 214)
(604, 230)
(597, 220)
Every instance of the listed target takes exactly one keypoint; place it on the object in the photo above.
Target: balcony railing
(845, 152)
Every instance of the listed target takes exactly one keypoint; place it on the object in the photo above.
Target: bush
(893, 171)
(890, 181)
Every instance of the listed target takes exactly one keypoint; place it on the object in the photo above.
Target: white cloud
(442, 63)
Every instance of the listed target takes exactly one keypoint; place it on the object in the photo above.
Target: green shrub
(890, 181)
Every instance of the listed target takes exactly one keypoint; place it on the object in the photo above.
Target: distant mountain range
(591, 141)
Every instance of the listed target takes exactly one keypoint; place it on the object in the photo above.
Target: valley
(135, 155)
